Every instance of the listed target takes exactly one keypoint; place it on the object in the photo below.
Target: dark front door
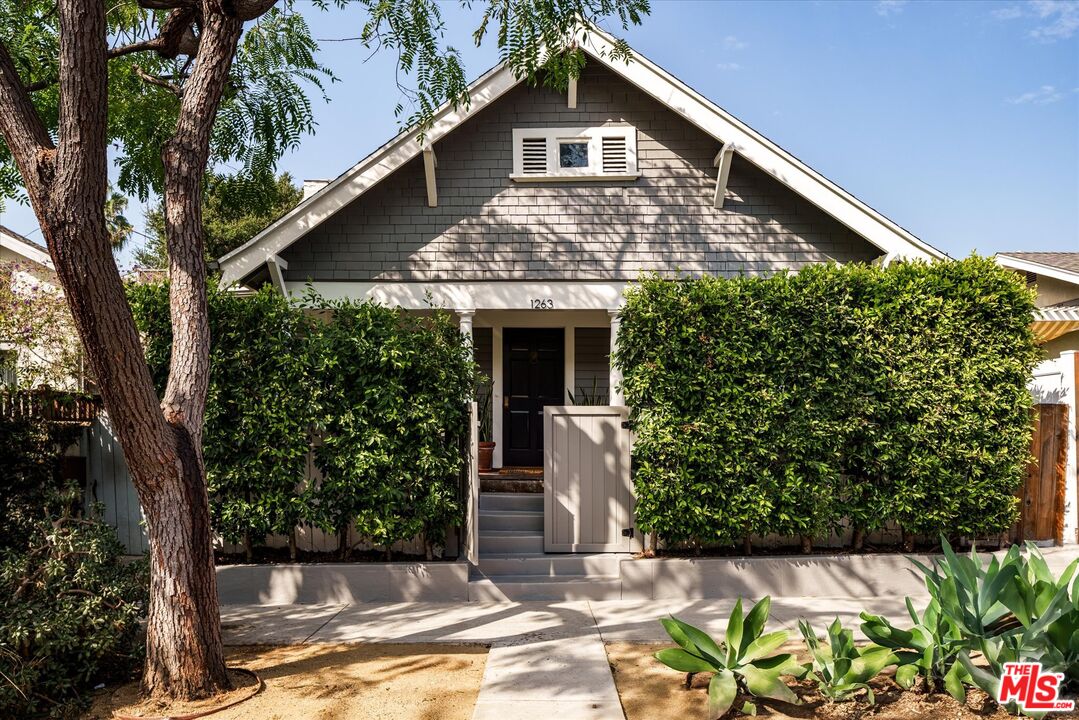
(532, 377)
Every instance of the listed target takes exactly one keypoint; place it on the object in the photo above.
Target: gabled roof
(1058, 265)
(878, 230)
(24, 246)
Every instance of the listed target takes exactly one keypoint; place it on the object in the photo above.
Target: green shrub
(786, 404)
(378, 394)
(69, 616)
(260, 409)
(29, 465)
(395, 387)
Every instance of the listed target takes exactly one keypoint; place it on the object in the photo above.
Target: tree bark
(66, 184)
(807, 544)
(858, 539)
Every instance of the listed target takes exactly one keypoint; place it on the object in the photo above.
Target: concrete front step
(521, 520)
(511, 501)
(550, 565)
(510, 542)
(532, 587)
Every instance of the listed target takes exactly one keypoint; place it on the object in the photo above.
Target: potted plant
(486, 421)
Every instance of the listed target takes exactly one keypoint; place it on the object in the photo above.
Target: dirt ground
(335, 682)
(651, 691)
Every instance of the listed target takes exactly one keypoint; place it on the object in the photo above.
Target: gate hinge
(627, 424)
(627, 532)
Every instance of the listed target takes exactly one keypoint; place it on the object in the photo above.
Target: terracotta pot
(487, 453)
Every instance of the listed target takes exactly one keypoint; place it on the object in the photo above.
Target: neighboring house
(32, 267)
(1055, 275)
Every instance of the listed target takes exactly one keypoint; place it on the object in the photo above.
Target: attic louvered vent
(607, 152)
(534, 156)
(614, 155)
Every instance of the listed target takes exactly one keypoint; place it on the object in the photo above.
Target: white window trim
(593, 135)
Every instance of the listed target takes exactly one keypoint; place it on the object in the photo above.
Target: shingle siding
(488, 227)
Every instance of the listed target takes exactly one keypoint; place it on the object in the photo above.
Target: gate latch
(627, 532)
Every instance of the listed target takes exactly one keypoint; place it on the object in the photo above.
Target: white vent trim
(612, 153)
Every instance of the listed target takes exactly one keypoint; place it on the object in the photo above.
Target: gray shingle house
(528, 212)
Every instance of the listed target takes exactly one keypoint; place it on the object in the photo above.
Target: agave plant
(742, 661)
(841, 669)
(928, 650)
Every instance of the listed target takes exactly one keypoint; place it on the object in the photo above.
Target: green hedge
(790, 403)
(378, 395)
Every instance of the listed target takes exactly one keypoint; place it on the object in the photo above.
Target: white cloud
(728, 66)
(1007, 13)
(887, 8)
(1042, 96)
(733, 43)
(1059, 18)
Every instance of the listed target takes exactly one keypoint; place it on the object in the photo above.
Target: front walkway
(547, 658)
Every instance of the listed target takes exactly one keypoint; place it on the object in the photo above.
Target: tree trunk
(857, 542)
(344, 549)
(747, 544)
(807, 544)
(908, 541)
(249, 553)
(292, 544)
(66, 184)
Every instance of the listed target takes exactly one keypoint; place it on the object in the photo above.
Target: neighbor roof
(881, 232)
(24, 246)
(1059, 265)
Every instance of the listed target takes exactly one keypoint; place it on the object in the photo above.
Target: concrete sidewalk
(547, 659)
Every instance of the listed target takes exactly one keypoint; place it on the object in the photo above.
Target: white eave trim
(360, 178)
(1057, 314)
(1038, 268)
(28, 251)
(878, 230)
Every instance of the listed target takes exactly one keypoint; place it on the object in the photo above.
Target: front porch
(536, 358)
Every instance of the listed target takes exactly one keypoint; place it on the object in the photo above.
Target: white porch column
(464, 317)
(616, 397)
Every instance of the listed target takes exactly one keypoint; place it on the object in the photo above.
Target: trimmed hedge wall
(377, 396)
(792, 403)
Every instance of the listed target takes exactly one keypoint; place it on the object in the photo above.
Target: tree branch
(246, 9)
(158, 82)
(24, 132)
(184, 157)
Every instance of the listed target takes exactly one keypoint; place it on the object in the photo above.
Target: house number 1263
(542, 303)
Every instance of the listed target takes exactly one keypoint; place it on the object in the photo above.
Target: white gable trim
(18, 245)
(784, 167)
(360, 178)
(762, 152)
(1038, 268)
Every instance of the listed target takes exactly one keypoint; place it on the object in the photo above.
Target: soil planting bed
(332, 682)
(651, 691)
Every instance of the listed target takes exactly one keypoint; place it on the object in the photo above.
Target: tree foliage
(786, 404)
(234, 209)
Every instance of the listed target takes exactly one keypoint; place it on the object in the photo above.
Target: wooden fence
(1042, 496)
(51, 405)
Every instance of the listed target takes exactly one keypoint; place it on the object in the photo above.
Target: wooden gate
(1043, 494)
(587, 490)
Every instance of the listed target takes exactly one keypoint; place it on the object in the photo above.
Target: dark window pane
(573, 154)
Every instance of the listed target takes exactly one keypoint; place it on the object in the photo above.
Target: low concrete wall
(791, 576)
(342, 583)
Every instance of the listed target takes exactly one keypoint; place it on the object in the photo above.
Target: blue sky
(958, 120)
